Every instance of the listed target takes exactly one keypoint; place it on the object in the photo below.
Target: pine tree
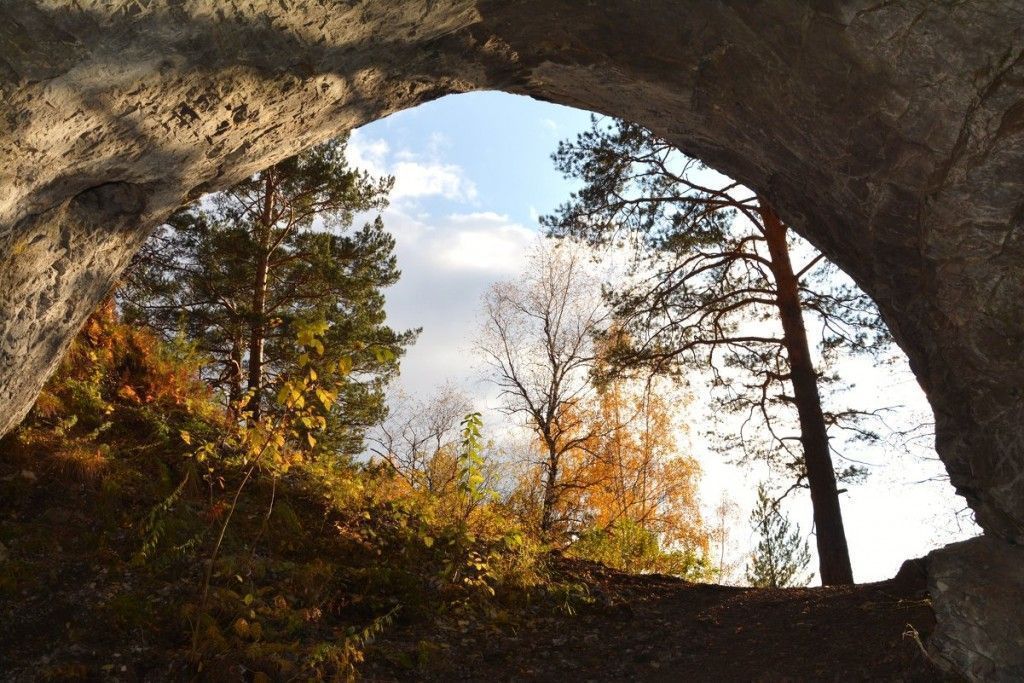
(238, 272)
(715, 285)
(782, 554)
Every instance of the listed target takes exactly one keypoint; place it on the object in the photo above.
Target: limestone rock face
(890, 134)
(977, 590)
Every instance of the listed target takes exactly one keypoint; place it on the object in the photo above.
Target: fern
(153, 530)
(363, 638)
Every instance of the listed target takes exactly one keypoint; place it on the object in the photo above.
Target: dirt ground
(656, 628)
(70, 609)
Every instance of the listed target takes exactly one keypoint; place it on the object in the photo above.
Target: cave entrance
(474, 174)
(889, 137)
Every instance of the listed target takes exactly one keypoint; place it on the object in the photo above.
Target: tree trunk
(235, 376)
(258, 333)
(547, 514)
(833, 555)
(258, 324)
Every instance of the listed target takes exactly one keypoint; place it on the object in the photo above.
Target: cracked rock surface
(977, 589)
(890, 134)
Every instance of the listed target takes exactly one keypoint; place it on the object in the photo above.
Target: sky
(472, 175)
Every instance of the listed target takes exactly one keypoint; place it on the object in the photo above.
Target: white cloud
(438, 142)
(415, 177)
(478, 217)
(417, 180)
(447, 264)
(367, 154)
(492, 249)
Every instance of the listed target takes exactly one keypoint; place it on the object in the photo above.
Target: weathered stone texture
(62, 261)
(977, 590)
(890, 134)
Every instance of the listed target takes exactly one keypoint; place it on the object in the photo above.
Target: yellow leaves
(629, 467)
(309, 334)
(326, 397)
(186, 437)
(313, 422)
(345, 365)
(311, 440)
(290, 395)
(204, 452)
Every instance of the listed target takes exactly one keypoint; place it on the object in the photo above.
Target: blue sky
(473, 172)
(501, 143)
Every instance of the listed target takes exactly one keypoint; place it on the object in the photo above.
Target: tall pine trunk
(833, 554)
(258, 334)
(258, 324)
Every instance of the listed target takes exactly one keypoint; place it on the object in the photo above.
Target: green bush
(628, 546)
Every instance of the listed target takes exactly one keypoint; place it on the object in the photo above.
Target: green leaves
(383, 354)
(232, 280)
(471, 461)
(782, 555)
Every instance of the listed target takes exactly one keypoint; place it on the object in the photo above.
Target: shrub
(628, 546)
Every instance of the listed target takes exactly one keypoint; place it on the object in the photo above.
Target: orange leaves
(121, 364)
(127, 393)
(116, 383)
(628, 467)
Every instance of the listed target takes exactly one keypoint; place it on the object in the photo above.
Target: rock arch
(890, 134)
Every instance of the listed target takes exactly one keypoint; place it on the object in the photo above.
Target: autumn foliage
(236, 544)
(634, 471)
(244, 543)
(627, 496)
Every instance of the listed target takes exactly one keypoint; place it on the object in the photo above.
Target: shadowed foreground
(109, 569)
(73, 608)
(659, 628)
(118, 562)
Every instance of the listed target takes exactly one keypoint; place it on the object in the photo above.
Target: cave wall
(890, 134)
